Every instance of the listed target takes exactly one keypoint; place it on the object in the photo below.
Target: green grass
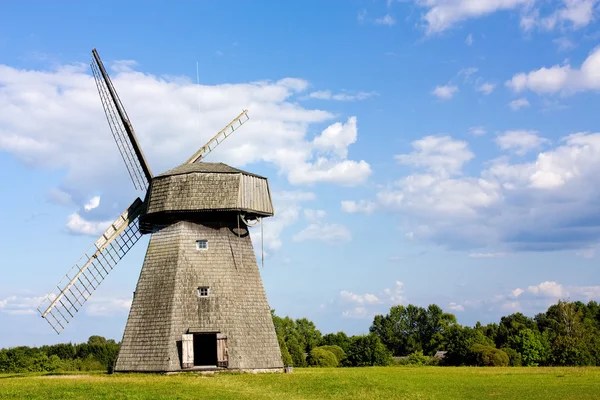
(340, 383)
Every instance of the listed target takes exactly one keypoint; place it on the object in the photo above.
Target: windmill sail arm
(120, 126)
(219, 137)
(60, 306)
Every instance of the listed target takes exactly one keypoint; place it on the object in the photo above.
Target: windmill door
(222, 356)
(187, 351)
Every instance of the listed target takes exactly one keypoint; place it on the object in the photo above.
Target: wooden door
(222, 356)
(187, 350)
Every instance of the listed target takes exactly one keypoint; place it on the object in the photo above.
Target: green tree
(320, 357)
(367, 350)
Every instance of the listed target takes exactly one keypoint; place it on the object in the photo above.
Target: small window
(201, 244)
(203, 291)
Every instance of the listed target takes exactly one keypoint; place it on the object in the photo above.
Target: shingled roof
(206, 167)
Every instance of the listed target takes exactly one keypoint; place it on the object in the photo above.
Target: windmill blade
(219, 137)
(69, 296)
(121, 127)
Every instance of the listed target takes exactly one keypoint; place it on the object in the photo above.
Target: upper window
(201, 244)
(203, 291)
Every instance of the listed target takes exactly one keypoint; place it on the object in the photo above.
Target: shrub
(367, 350)
(418, 358)
(319, 357)
(336, 350)
(489, 356)
(514, 357)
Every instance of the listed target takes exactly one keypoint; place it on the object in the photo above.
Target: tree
(531, 346)
(308, 334)
(336, 339)
(367, 350)
(320, 357)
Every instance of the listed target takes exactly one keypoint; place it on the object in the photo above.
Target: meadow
(317, 383)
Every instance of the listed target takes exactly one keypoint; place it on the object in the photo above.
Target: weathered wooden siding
(254, 194)
(166, 304)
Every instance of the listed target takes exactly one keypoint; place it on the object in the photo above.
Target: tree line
(566, 334)
(97, 353)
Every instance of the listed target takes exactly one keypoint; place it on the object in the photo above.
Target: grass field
(340, 383)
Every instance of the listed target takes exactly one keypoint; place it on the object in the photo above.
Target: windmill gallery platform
(199, 303)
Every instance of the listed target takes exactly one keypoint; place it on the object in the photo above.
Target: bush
(418, 358)
(336, 350)
(489, 356)
(319, 357)
(514, 357)
(367, 350)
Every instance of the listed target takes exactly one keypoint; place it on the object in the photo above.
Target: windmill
(199, 301)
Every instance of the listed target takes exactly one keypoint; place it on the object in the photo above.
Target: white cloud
(366, 298)
(362, 206)
(469, 39)
(439, 154)
(386, 20)
(548, 203)
(78, 225)
(338, 137)
(575, 14)
(456, 307)
(361, 16)
(564, 44)
(288, 206)
(486, 88)
(443, 14)
(329, 95)
(20, 305)
(314, 215)
(106, 307)
(93, 203)
(46, 111)
(477, 130)
(518, 104)
(368, 304)
(324, 232)
(445, 92)
(520, 142)
(560, 79)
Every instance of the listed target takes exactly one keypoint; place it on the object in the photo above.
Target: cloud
(361, 16)
(80, 226)
(288, 206)
(46, 112)
(575, 14)
(520, 142)
(445, 92)
(368, 305)
(19, 305)
(386, 20)
(362, 206)
(93, 203)
(329, 95)
(106, 307)
(544, 204)
(560, 79)
(439, 154)
(443, 14)
(518, 104)
(469, 39)
(486, 88)
(324, 232)
(477, 130)
(564, 44)
(456, 307)
(366, 298)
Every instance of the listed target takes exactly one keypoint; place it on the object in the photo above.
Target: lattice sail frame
(71, 293)
(121, 127)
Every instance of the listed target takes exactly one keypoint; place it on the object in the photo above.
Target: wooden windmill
(199, 300)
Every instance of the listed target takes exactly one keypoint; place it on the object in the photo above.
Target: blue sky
(419, 152)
